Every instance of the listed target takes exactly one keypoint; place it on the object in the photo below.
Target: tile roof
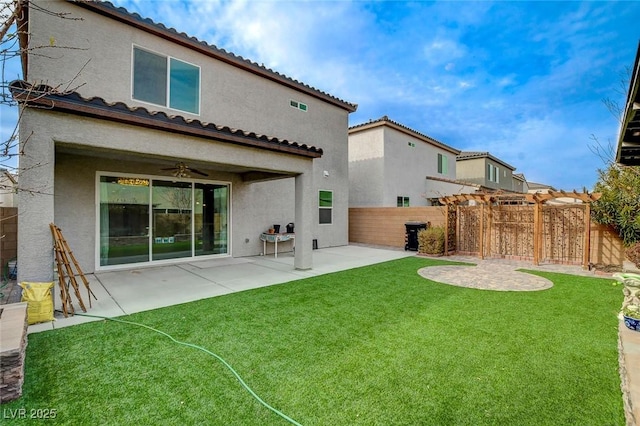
(384, 120)
(98, 108)
(469, 155)
(121, 14)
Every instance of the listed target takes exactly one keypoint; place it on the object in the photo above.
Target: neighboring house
(535, 187)
(520, 183)
(482, 168)
(541, 188)
(391, 165)
(628, 153)
(165, 149)
(8, 185)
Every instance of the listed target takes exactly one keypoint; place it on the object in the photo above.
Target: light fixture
(133, 181)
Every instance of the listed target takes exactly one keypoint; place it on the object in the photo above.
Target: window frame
(321, 207)
(168, 62)
(443, 164)
(402, 201)
(300, 106)
(493, 173)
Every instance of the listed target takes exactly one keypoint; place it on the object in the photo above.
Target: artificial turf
(377, 345)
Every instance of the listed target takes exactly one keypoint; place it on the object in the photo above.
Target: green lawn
(378, 345)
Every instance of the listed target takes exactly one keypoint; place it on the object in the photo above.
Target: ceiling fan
(182, 170)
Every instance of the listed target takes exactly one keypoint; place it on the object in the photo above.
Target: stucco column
(35, 200)
(304, 220)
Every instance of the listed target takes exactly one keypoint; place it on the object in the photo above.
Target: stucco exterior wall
(366, 168)
(408, 161)
(437, 189)
(7, 192)
(474, 170)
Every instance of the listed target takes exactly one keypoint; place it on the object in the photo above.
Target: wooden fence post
(587, 236)
(537, 233)
(481, 239)
(446, 231)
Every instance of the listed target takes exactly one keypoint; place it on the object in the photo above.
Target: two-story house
(520, 183)
(484, 169)
(392, 165)
(147, 146)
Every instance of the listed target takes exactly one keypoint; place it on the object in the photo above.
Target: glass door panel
(211, 219)
(172, 204)
(124, 220)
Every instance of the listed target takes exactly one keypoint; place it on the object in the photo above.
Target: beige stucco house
(148, 147)
(8, 184)
(392, 165)
(483, 168)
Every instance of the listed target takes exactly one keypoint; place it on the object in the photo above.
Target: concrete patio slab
(135, 290)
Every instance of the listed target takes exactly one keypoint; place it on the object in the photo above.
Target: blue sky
(522, 80)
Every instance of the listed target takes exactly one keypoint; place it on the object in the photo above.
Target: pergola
(536, 200)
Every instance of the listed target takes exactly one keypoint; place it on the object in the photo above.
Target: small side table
(275, 239)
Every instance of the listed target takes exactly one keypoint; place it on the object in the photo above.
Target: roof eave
(406, 130)
(119, 112)
(629, 139)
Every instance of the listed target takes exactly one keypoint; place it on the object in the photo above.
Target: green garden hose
(191, 345)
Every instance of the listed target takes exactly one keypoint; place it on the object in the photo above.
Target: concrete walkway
(126, 292)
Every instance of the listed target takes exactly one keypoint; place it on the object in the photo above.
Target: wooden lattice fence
(563, 233)
(511, 231)
(525, 228)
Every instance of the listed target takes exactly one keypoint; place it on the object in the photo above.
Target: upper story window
(298, 105)
(165, 81)
(443, 164)
(493, 173)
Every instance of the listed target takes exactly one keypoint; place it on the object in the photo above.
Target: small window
(403, 202)
(298, 105)
(325, 204)
(493, 173)
(165, 81)
(443, 164)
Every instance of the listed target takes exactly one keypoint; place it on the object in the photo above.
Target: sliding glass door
(172, 218)
(211, 218)
(144, 220)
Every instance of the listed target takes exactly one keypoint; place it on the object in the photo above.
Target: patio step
(13, 343)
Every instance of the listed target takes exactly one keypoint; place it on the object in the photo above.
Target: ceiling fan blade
(198, 172)
(170, 168)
